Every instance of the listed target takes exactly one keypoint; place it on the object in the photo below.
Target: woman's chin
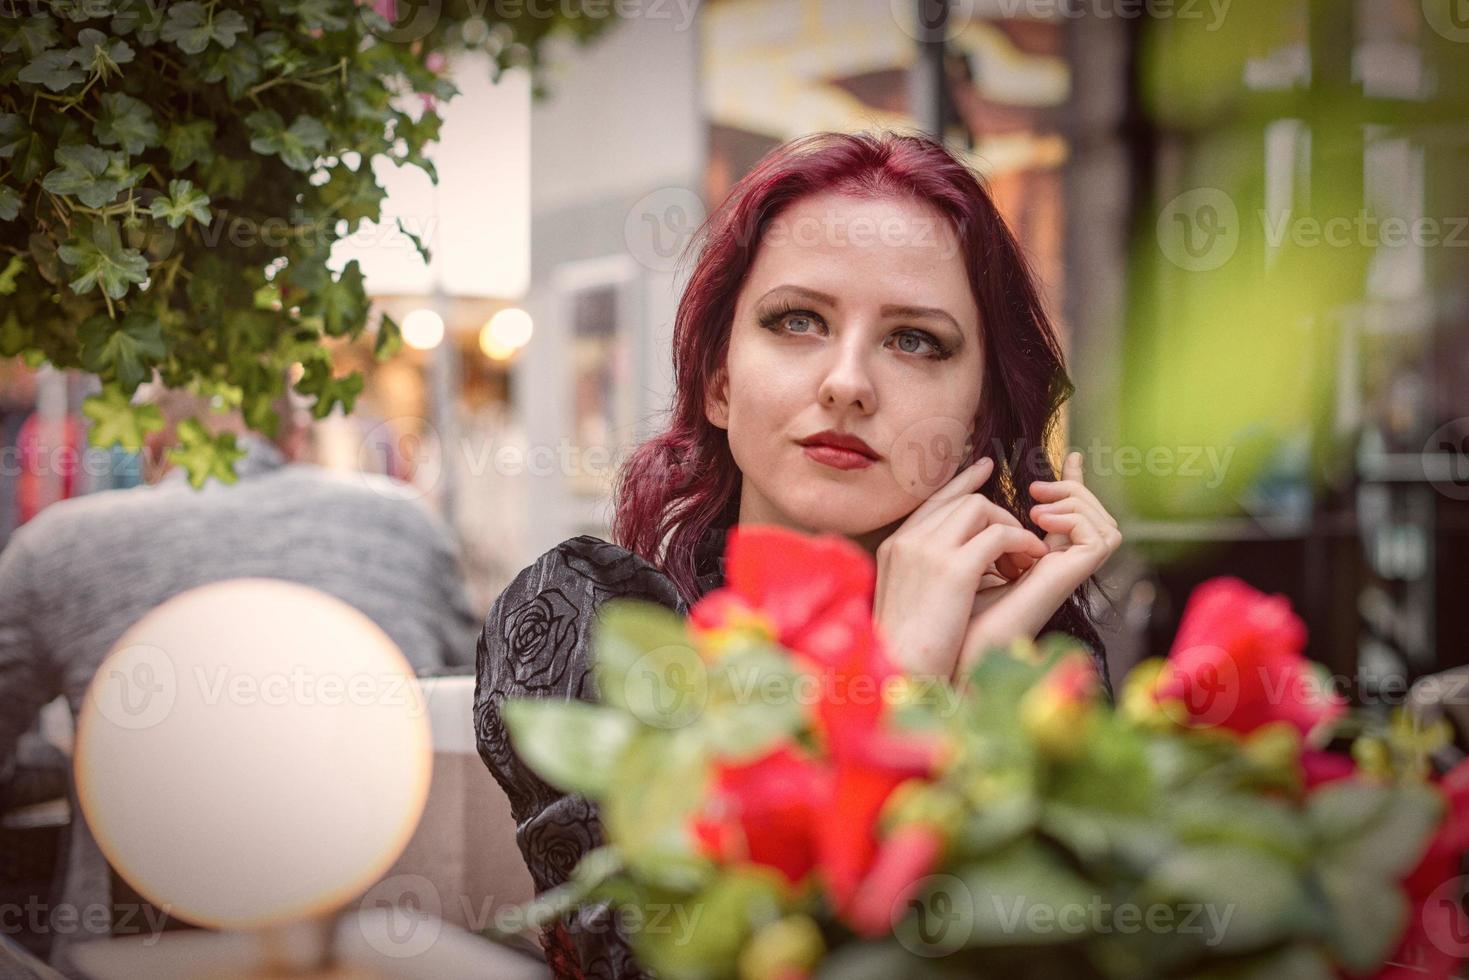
(852, 519)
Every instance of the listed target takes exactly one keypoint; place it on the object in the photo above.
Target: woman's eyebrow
(815, 295)
(917, 312)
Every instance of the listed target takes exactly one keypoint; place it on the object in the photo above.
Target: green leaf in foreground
(126, 122)
(122, 351)
(183, 201)
(204, 454)
(118, 422)
(99, 259)
(571, 744)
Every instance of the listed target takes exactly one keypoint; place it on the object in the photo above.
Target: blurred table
(373, 944)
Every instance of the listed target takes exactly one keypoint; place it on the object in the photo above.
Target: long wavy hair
(677, 487)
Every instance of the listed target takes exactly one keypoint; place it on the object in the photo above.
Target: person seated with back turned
(824, 382)
(74, 578)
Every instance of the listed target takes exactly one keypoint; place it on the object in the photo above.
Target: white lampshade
(253, 752)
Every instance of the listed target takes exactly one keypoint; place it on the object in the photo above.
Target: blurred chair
(465, 843)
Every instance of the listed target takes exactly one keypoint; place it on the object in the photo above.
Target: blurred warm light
(252, 753)
(493, 349)
(509, 329)
(423, 329)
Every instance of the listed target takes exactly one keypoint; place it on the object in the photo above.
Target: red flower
(762, 812)
(1319, 768)
(816, 592)
(1436, 940)
(904, 859)
(1236, 662)
(814, 595)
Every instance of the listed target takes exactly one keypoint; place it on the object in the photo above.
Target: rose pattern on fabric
(539, 637)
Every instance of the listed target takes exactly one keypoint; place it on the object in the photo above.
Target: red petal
(902, 861)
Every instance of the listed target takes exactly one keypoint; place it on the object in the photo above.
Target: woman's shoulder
(585, 570)
(535, 634)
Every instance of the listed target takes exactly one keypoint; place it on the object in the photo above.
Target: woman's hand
(1080, 537)
(930, 568)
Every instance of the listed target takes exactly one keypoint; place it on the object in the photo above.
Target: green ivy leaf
(229, 176)
(118, 422)
(183, 202)
(418, 243)
(100, 259)
(14, 338)
(342, 303)
(12, 272)
(53, 69)
(98, 54)
(29, 159)
(12, 131)
(82, 175)
(35, 34)
(328, 390)
(191, 27)
(238, 67)
(292, 145)
(143, 17)
(389, 339)
(322, 15)
(126, 122)
(204, 454)
(189, 143)
(9, 203)
(122, 352)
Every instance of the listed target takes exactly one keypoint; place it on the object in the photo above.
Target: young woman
(860, 348)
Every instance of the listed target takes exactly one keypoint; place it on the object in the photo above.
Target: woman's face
(856, 317)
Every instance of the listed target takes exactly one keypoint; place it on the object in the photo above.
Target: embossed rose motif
(540, 637)
(555, 842)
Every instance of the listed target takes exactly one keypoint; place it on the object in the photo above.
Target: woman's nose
(848, 382)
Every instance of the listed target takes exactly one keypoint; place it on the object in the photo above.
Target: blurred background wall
(1249, 218)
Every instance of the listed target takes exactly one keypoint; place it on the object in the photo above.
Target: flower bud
(1057, 711)
(783, 950)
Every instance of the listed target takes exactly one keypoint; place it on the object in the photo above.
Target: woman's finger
(987, 547)
(1081, 530)
(958, 520)
(966, 481)
(1080, 505)
(1045, 491)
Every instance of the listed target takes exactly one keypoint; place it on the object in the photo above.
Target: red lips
(841, 440)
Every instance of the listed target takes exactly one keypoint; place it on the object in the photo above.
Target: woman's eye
(794, 323)
(912, 341)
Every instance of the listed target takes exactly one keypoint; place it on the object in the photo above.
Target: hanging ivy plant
(173, 176)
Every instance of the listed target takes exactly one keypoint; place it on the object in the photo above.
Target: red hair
(677, 487)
